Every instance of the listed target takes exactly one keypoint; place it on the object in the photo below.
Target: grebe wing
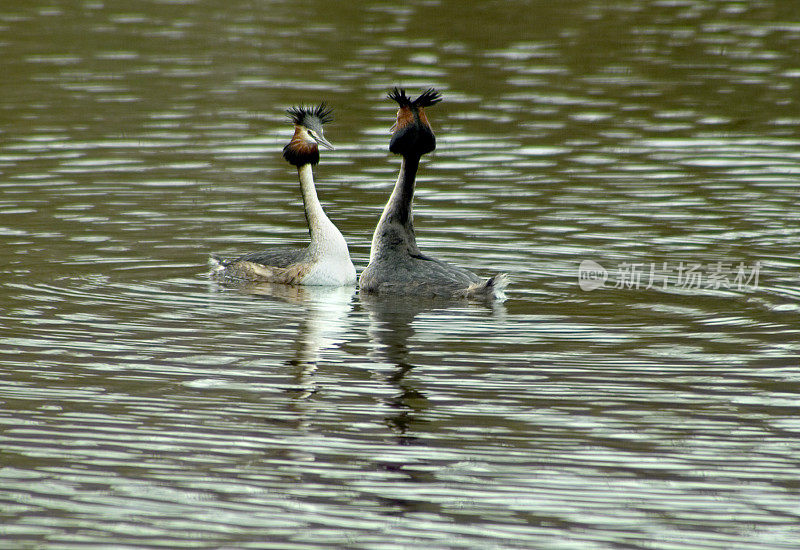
(274, 258)
(252, 271)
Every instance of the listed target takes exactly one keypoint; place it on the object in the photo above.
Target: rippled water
(143, 406)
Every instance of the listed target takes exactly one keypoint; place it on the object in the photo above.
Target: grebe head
(308, 134)
(412, 133)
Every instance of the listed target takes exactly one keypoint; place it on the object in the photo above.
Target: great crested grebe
(326, 261)
(396, 265)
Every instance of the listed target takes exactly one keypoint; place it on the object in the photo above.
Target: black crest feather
(399, 95)
(426, 99)
(300, 114)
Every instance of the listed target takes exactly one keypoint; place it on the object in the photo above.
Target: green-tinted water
(143, 406)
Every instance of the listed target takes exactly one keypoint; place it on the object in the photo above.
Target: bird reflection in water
(391, 329)
(322, 327)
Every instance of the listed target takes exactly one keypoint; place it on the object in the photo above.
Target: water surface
(144, 406)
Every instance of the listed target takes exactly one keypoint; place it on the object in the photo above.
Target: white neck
(326, 239)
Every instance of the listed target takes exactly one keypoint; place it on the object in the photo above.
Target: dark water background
(142, 406)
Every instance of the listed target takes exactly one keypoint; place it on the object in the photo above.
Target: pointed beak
(324, 142)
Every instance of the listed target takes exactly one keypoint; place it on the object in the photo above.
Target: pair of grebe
(396, 265)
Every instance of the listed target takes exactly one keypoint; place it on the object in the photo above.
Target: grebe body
(326, 260)
(396, 265)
